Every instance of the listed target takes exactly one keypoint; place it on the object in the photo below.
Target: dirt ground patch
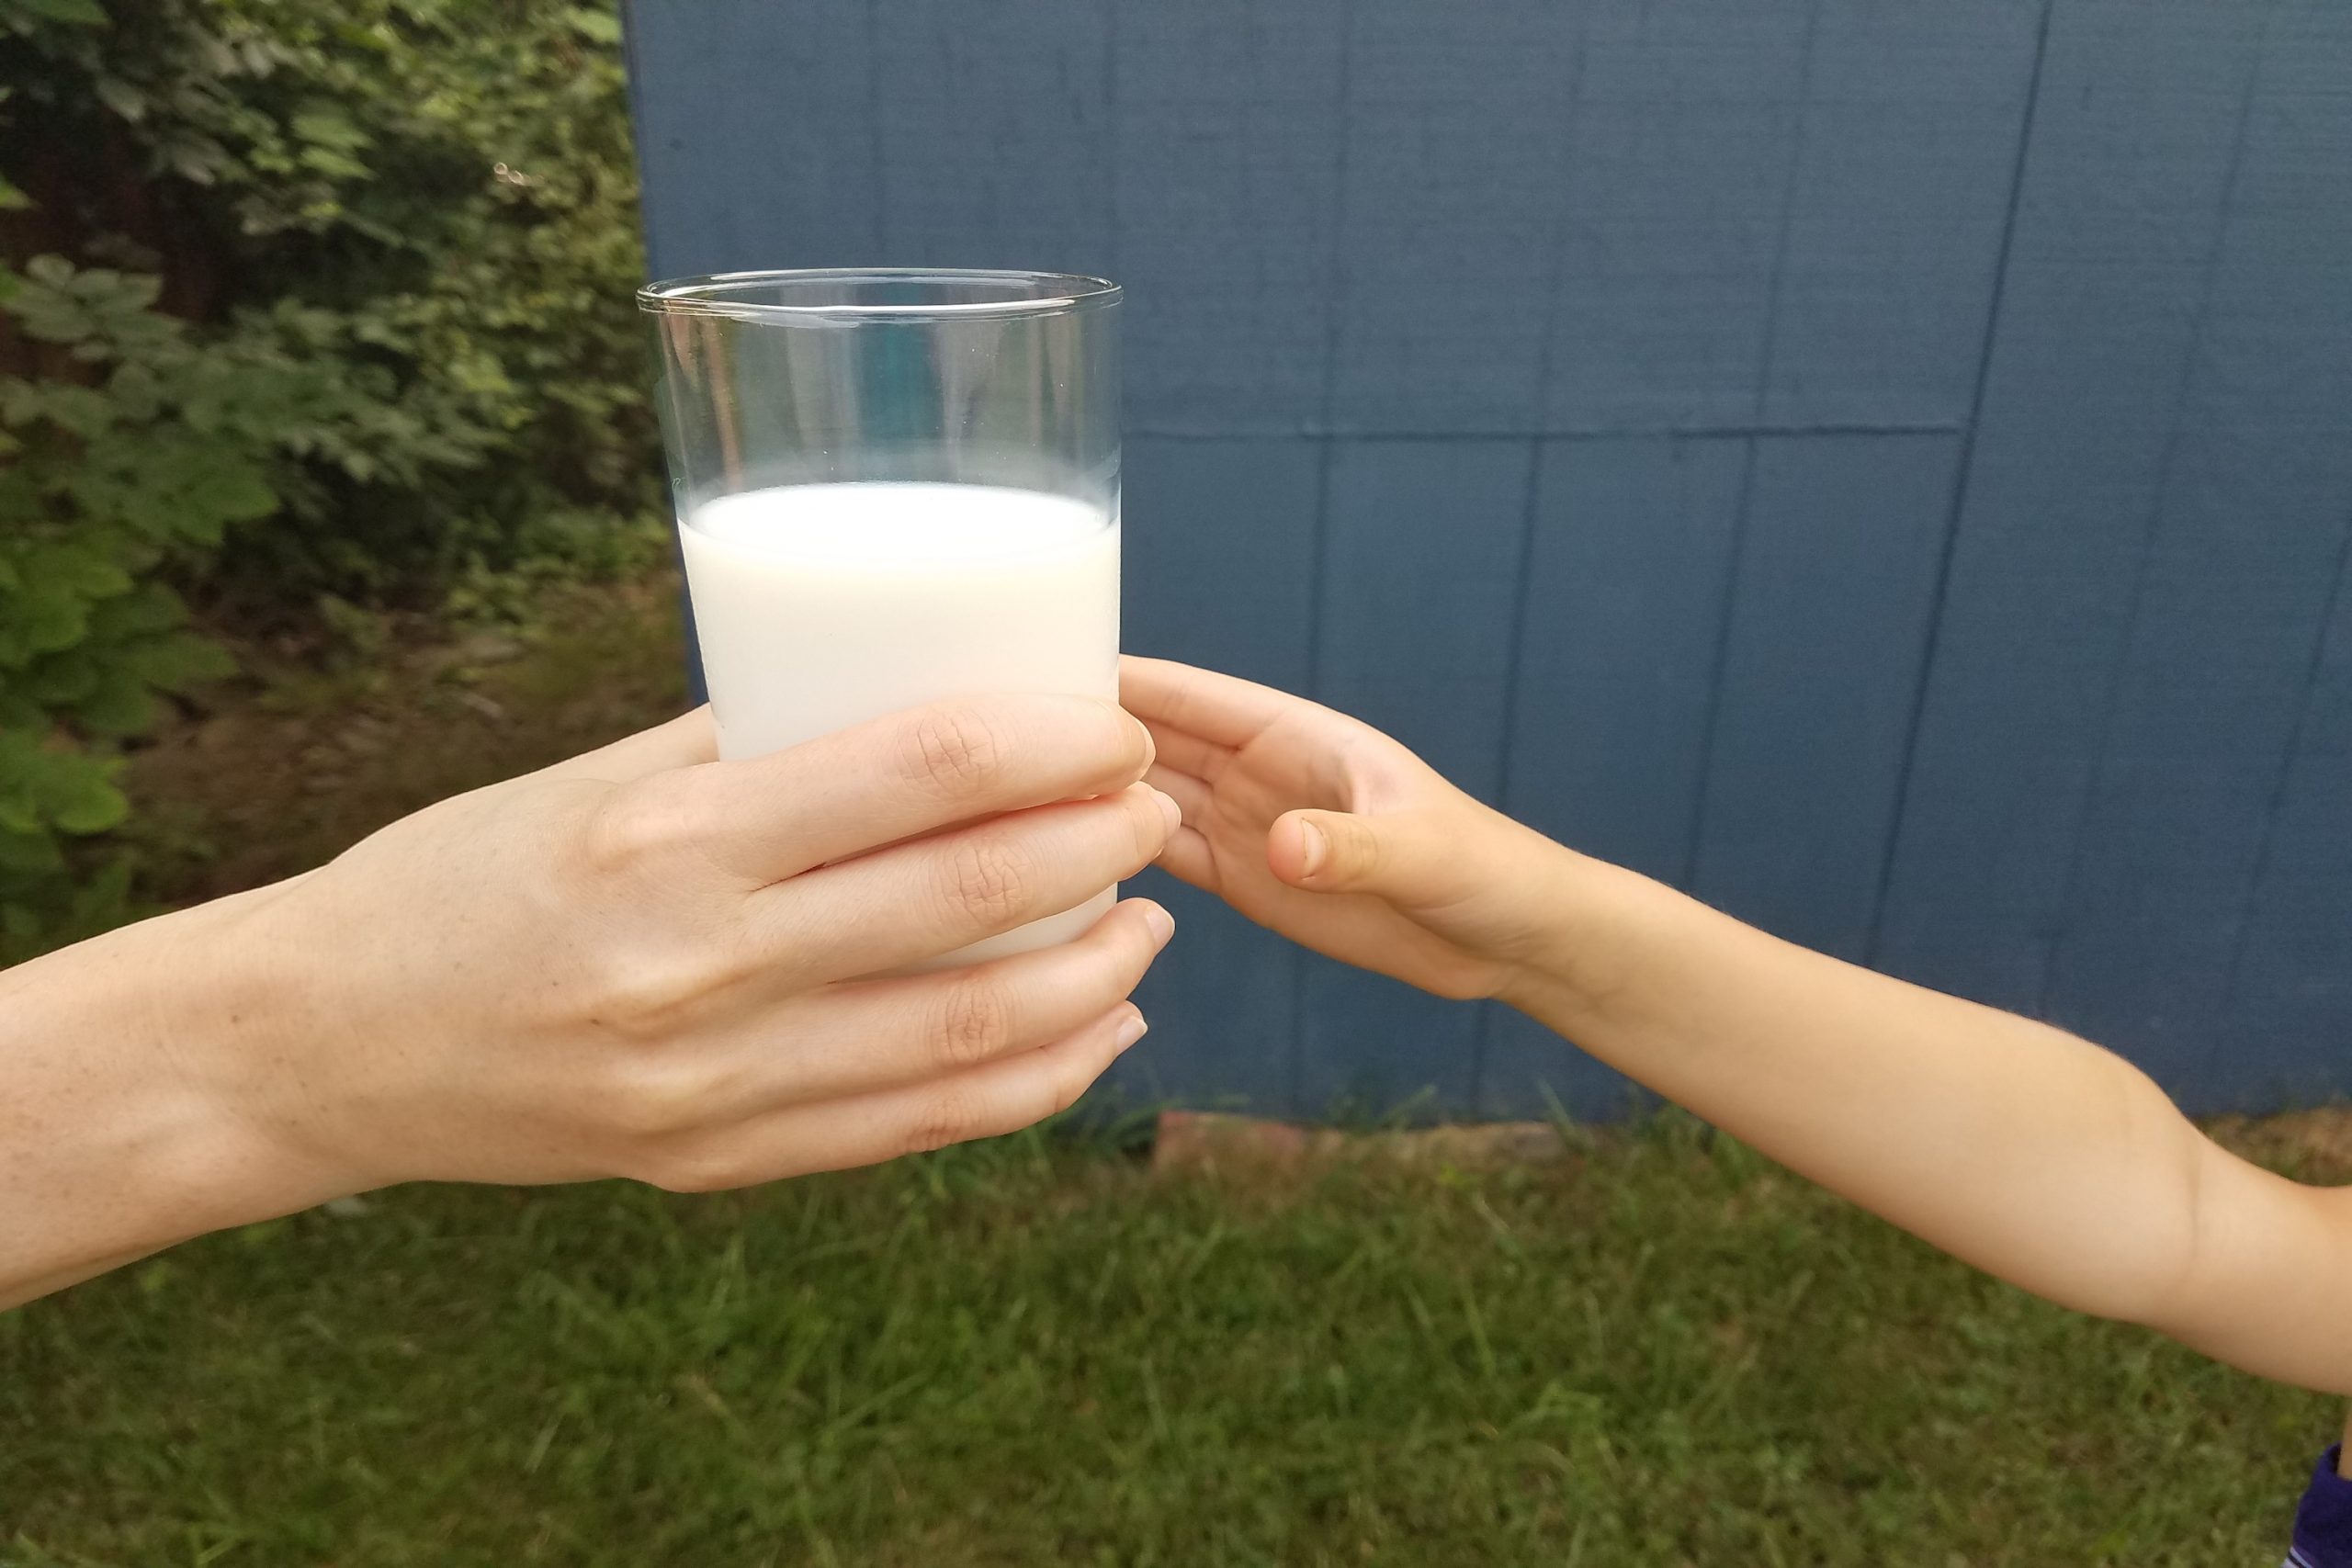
(301, 757)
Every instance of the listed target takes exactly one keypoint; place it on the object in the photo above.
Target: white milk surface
(820, 606)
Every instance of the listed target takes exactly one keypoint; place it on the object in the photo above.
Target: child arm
(2031, 1153)
(2015, 1146)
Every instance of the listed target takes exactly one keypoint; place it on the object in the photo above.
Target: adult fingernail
(1131, 1030)
(1169, 809)
(1313, 847)
(1161, 924)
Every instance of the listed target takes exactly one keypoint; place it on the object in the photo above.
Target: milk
(820, 606)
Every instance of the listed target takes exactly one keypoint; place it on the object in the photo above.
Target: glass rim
(725, 294)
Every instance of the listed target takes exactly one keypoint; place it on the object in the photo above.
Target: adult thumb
(1332, 851)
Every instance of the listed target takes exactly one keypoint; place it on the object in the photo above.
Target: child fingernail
(1131, 1029)
(1161, 924)
(1169, 809)
(1313, 847)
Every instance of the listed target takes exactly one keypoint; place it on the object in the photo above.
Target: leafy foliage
(141, 462)
(302, 302)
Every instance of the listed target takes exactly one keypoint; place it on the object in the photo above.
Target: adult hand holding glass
(642, 962)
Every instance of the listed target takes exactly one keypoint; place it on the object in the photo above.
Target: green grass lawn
(1661, 1350)
(1658, 1352)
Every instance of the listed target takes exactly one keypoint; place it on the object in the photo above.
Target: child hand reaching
(1324, 829)
(2016, 1146)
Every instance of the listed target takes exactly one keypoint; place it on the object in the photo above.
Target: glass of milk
(893, 486)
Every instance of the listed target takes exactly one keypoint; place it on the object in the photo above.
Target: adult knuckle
(976, 1020)
(1119, 739)
(956, 749)
(988, 879)
(1075, 1075)
(1069, 1087)
(628, 830)
(742, 946)
(651, 1101)
(688, 1166)
(643, 998)
(1138, 749)
(1107, 964)
(1134, 954)
(945, 1118)
(1146, 827)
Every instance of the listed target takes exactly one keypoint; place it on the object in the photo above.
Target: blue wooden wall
(1883, 464)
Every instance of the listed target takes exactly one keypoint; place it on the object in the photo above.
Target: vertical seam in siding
(874, 135)
(1508, 741)
(1708, 731)
(1558, 240)
(1963, 463)
(2191, 351)
(1111, 262)
(1320, 548)
(2287, 760)
(1778, 279)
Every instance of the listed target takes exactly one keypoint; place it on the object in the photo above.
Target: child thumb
(1330, 852)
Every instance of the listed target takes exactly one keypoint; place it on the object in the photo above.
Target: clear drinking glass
(893, 486)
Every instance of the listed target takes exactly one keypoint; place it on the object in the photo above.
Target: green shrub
(301, 301)
(137, 462)
(437, 198)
